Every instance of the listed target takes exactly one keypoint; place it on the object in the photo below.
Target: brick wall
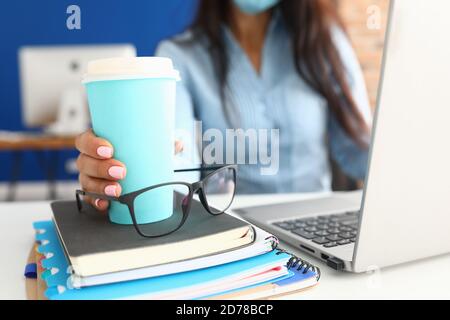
(366, 22)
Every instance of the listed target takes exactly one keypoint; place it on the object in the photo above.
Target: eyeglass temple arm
(200, 169)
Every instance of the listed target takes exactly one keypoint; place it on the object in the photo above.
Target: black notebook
(94, 245)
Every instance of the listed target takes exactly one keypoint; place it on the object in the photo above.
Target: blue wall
(42, 22)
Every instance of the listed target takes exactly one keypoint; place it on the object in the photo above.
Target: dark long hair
(317, 60)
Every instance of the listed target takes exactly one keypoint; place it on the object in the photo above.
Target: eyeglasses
(215, 191)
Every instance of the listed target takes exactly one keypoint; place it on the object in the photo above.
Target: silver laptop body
(404, 214)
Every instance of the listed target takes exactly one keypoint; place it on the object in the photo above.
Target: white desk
(428, 279)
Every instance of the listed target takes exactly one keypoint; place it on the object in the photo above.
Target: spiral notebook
(247, 273)
(263, 243)
(298, 281)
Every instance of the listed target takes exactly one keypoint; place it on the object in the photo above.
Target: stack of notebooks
(210, 257)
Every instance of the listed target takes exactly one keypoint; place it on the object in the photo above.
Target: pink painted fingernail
(105, 152)
(111, 191)
(97, 202)
(117, 172)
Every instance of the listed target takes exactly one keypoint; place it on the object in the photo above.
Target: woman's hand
(99, 172)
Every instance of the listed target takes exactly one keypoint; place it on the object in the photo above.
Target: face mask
(254, 7)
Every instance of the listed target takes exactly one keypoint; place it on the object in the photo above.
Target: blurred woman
(263, 64)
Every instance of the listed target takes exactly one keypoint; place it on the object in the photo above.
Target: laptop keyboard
(329, 231)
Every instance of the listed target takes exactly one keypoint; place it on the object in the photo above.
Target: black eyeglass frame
(197, 187)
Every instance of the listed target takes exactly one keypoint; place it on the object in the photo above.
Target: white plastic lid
(130, 68)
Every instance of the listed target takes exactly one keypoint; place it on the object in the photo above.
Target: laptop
(403, 213)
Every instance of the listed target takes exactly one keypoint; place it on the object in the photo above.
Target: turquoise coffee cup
(132, 105)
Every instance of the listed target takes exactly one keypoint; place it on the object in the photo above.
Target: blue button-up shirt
(274, 98)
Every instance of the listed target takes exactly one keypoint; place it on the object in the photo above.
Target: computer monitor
(51, 88)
